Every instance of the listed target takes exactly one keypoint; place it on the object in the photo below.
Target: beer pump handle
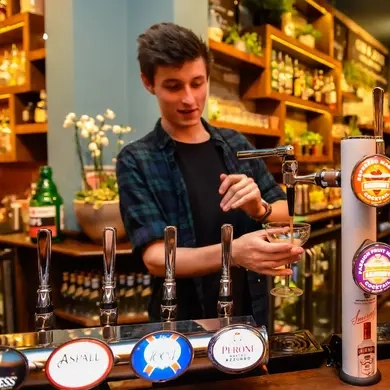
(378, 99)
(225, 298)
(109, 306)
(168, 307)
(44, 314)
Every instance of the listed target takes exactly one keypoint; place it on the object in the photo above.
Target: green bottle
(46, 209)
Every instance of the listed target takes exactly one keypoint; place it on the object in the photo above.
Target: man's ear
(147, 84)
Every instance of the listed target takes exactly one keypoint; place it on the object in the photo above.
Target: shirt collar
(163, 138)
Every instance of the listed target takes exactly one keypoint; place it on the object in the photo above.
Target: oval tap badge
(370, 180)
(371, 268)
(161, 356)
(79, 364)
(13, 368)
(236, 349)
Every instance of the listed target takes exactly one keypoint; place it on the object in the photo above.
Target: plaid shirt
(153, 195)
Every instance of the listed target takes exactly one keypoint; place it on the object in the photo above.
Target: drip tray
(293, 352)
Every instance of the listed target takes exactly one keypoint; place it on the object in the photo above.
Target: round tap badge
(13, 368)
(371, 268)
(370, 180)
(236, 349)
(161, 356)
(79, 364)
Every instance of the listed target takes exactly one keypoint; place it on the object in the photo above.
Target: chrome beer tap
(378, 98)
(109, 305)
(324, 178)
(44, 314)
(169, 303)
(225, 298)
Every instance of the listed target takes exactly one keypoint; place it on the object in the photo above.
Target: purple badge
(371, 268)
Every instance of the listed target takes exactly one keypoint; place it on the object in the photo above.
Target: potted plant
(96, 205)
(268, 11)
(233, 37)
(308, 35)
(253, 43)
(317, 144)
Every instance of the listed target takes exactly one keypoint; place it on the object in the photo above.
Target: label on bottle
(366, 359)
(62, 218)
(370, 180)
(13, 368)
(79, 364)
(371, 268)
(42, 217)
(161, 356)
(237, 349)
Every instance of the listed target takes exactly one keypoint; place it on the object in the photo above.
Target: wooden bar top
(70, 246)
(323, 378)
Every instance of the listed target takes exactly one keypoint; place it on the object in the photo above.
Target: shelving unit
(27, 141)
(247, 129)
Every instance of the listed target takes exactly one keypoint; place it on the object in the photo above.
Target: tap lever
(168, 309)
(378, 98)
(44, 315)
(280, 151)
(225, 299)
(109, 306)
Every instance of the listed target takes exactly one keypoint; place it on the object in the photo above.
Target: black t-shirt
(201, 166)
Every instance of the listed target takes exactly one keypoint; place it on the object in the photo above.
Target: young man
(185, 173)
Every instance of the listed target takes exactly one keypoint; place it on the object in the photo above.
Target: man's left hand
(241, 191)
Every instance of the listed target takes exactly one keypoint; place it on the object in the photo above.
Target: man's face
(181, 92)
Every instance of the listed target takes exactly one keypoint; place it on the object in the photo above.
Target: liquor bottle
(84, 298)
(332, 99)
(94, 298)
(78, 293)
(320, 87)
(288, 74)
(71, 291)
(121, 292)
(297, 79)
(138, 291)
(3, 10)
(129, 298)
(64, 289)
(366, 353)
(274, 72)
(146, 294)
(46, 208)
(28, 113)
(281, 75)
(14, 65)
(40, 114)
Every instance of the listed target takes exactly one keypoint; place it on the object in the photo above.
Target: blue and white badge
(161, 356)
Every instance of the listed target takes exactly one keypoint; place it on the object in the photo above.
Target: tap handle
(226, 240)
(109, 254)
(170, 252)
(44, 256)
(280, 151)
(378, 98)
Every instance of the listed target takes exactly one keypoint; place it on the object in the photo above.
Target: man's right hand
(253, 252)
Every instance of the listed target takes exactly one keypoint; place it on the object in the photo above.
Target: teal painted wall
(91, 65)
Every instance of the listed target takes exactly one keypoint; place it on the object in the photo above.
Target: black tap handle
(44, 256)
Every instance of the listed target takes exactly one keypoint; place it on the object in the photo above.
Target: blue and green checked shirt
(153, 195)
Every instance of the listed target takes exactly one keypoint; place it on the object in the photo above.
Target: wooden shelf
(31, 128)
(11, 30)
(296, 49)
(37, 54)
(4, 96)
(247, 129)
(70, 246)
(230, 55)
(14, 89)
(92, 322)
(350, 97)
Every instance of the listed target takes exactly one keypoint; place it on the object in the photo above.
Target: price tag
(79, 364)
(236, 349)
(13, 368)
(161, 356)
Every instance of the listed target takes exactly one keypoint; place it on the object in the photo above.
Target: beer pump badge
(13, 368)
(371, 268)
(236, 349)
(79, 364)
(161, 356)
(370, 180)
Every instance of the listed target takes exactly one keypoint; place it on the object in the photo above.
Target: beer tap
(323, 178)
(378, 98)
(169, 303)
(225, 298)
(44, 314)
(109, 305)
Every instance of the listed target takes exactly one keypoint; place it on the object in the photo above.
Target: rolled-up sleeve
(142, 219)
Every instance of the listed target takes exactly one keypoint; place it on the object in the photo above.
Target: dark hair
(167, 44)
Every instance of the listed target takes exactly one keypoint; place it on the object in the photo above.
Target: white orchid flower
(92, 146)
(100, 118)
(109, 114)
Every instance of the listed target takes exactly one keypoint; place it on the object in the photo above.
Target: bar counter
(323, 378)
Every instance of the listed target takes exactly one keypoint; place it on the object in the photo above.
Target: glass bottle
(40, 114)
(28, 113)
(46, 208)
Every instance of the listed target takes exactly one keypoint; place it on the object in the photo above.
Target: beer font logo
(79, 364)
(371, 268)
(161, 356)
(13, 368)
(370, 180)
(237, 349)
